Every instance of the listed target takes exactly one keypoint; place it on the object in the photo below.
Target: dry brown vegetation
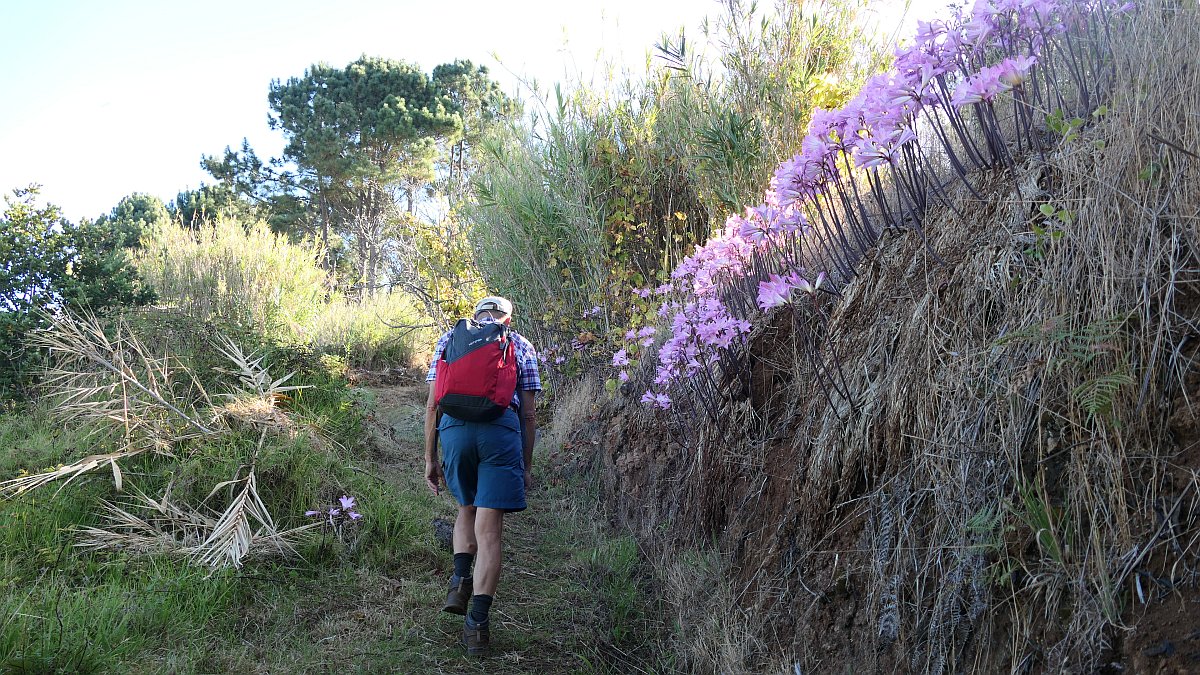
(1013, 483)
(104, 378)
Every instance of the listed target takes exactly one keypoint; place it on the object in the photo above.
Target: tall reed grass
(606, 188)
(244, 276)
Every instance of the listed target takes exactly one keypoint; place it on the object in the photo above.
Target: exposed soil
(800, 540)
(1166, 628)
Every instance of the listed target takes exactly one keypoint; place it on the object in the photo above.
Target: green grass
(572, 598)
(64, 609)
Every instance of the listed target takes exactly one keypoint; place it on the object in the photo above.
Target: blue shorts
(482, 461)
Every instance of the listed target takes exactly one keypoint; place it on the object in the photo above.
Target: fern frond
(1096, 396)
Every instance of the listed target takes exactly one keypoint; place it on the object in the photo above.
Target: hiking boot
(458, 596)
(476, 637)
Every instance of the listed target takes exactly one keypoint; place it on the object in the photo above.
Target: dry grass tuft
(256, 412)
(233, 534)
(986, 495)
(217, 540)
(577, 402)
(715, 635)
(120, 389)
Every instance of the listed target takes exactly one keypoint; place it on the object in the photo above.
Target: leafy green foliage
(1079, 346)
(368, 144)
(480, 103)
(604, 190)
(1094, 351)
(47, 263)
(1068, 129)
(1049, 525)
(360, 134)
(751, 107)
(1050, 229)
(209, 204)
(254, 284)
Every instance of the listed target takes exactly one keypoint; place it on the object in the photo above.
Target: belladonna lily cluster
(336, 515)
(970, 92)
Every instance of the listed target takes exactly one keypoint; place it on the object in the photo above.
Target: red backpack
(477, 372)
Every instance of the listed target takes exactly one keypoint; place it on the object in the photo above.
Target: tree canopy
(48, 263)
(366, 145)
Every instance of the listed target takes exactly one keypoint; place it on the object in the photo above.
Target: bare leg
(464, 531)
(489, 525)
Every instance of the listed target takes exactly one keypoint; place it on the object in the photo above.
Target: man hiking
(482, 399)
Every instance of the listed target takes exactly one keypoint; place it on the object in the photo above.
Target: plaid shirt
(528, 378)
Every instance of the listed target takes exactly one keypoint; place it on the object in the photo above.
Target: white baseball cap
(494, 303)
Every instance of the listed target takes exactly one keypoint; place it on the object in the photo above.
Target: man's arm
(433, 468)
(528, 431)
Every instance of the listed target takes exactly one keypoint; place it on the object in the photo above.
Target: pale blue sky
(102, 99)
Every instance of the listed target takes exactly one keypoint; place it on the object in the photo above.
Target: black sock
(480, 604)
(462, 565)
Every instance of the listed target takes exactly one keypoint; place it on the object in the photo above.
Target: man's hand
(433, 468)
(434, 477)
(528, 480)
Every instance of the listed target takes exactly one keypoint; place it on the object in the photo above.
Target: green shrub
(606, 189)
(244, 275)
(47, 263)
(374, 331)
(265, 289)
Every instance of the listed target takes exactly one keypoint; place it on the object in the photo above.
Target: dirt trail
(545, 560)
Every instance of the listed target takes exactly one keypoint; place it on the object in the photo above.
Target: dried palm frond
(119, 387)
(145, 535)
(160, 525)
(15, 486)
(233, 535)
(256, 402)
(118, 381)
(252, 374)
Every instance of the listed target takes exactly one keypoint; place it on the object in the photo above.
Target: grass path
(572, 597)
(567, 600)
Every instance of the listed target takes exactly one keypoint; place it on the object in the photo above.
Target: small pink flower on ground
(623, 376)
(346, 502)
(621, 358)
